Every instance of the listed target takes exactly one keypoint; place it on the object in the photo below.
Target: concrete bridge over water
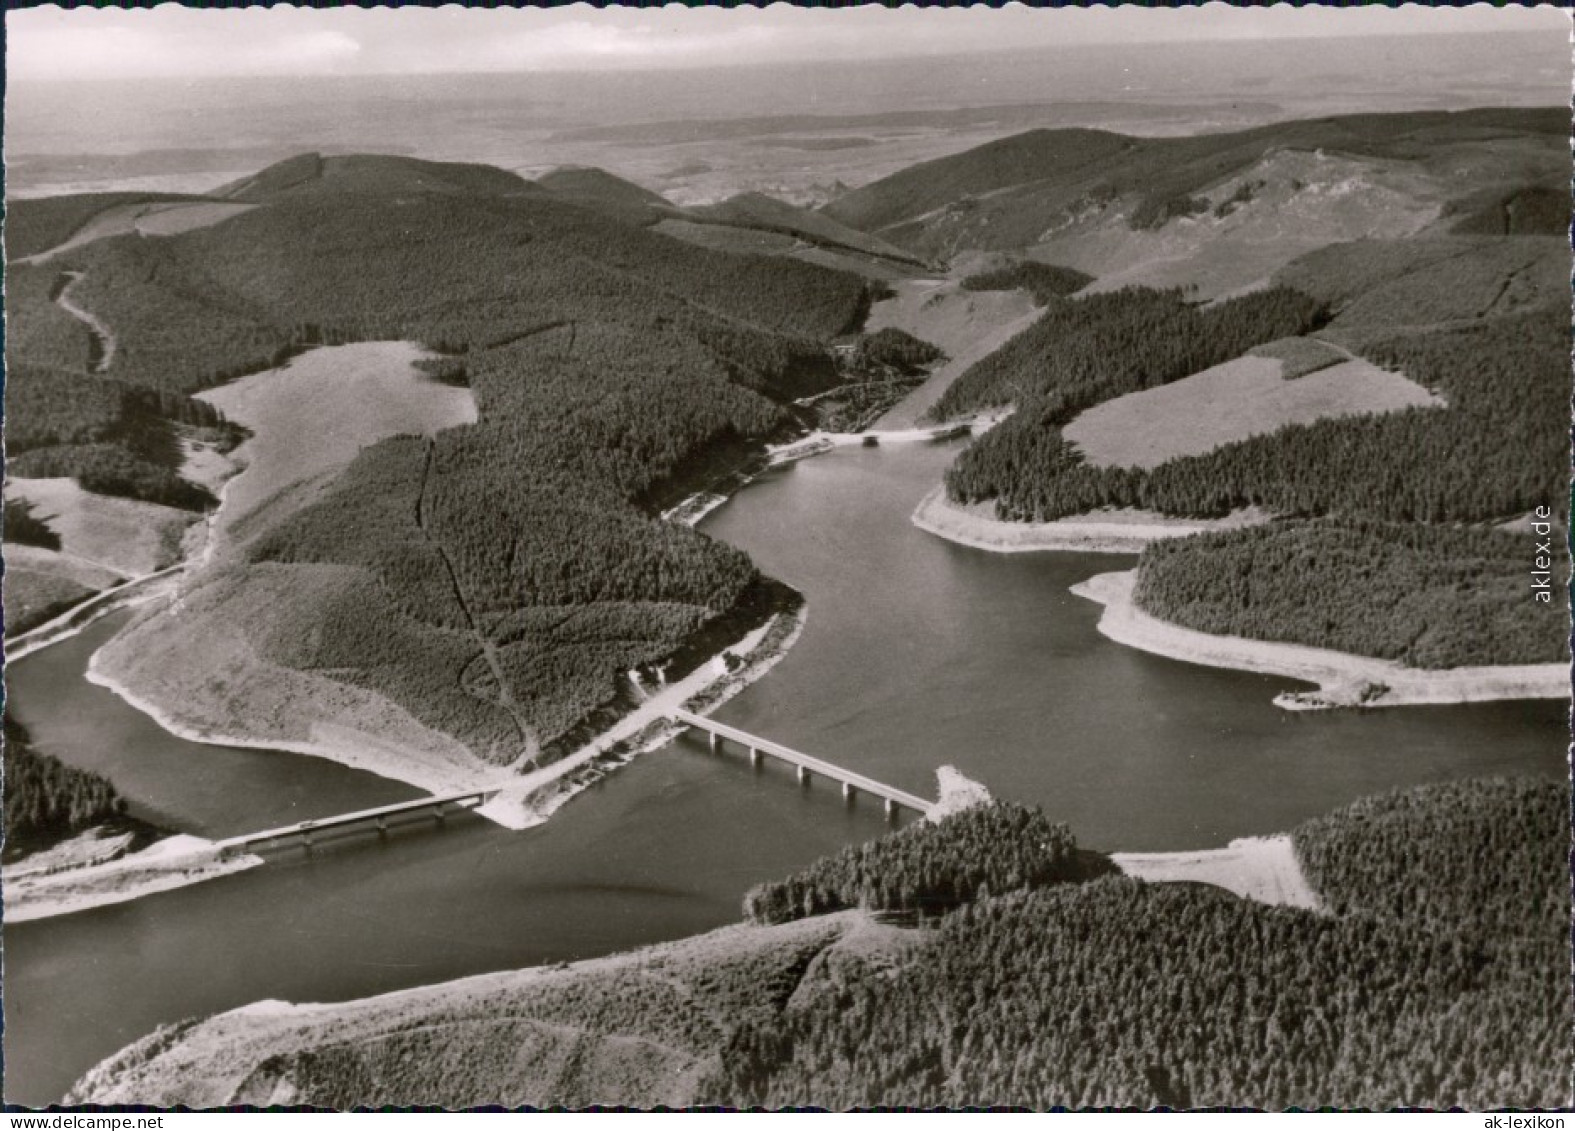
(441, 806)
(438, 807)
(806, 764)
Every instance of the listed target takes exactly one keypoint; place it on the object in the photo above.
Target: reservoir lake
(917, 653)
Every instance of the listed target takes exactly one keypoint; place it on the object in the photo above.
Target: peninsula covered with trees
(498, 580)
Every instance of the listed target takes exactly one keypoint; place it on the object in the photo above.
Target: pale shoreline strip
(181, 860)
(409, 770)
(91, 610)
(167, 864)
(521, 803)
(1263, 869)
(1344, 680)
(525, 802)
(1110, 532)
(511, 809)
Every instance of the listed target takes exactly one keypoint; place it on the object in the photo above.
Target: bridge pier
(304, 833)
(804, 766)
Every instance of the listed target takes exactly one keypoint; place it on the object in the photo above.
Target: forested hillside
(1044, 281)
(1439, 978)
(763, 213)
(312, 174)
(1466, 855)
(1495, 452)
(597, 188)
(47, 801)
(1018, 191)
(35, 225)
(1473, 306)
(876, 372)
(1427, 596)
(496, 581)
(521, 536)
(113, 437)
(1378, 287)
(929, 868)
(1522, 211)
(1117, 993)
(1083, 351)
(204, 306)
(24, 528)
(1020, 159)
(1498, 450)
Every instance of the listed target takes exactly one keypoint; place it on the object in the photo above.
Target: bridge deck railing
(809, 762)
(340, 820)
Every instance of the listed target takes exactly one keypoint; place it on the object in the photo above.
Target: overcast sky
(173, 41)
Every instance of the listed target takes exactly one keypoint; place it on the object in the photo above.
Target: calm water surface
(917, 653)
(211, 791)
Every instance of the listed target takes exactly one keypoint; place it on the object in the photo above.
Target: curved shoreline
(524, 801)
(1343, 679)
(128, 594)
(389, 757)
(1113, 532)
(532, 799)
(416, 774)
(173, 862)
(517, 807)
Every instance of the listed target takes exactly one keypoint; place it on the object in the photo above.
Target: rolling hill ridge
(513, 569)
(1221, 210)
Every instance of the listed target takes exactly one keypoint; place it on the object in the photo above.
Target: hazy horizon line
(679, 68)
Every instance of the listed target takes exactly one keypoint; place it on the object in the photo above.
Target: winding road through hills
(103, 337)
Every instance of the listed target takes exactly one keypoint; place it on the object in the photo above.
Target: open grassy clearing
(170, 219)
(1295, 203)
(32, 597)
(1230, 402)
(312, 416)
(1264, 869)
(145, 218)
(966, 325)
(122, 535)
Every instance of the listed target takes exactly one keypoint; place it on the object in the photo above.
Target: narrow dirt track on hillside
(103, 338)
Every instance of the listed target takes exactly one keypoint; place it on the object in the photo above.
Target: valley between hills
(413, 431)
